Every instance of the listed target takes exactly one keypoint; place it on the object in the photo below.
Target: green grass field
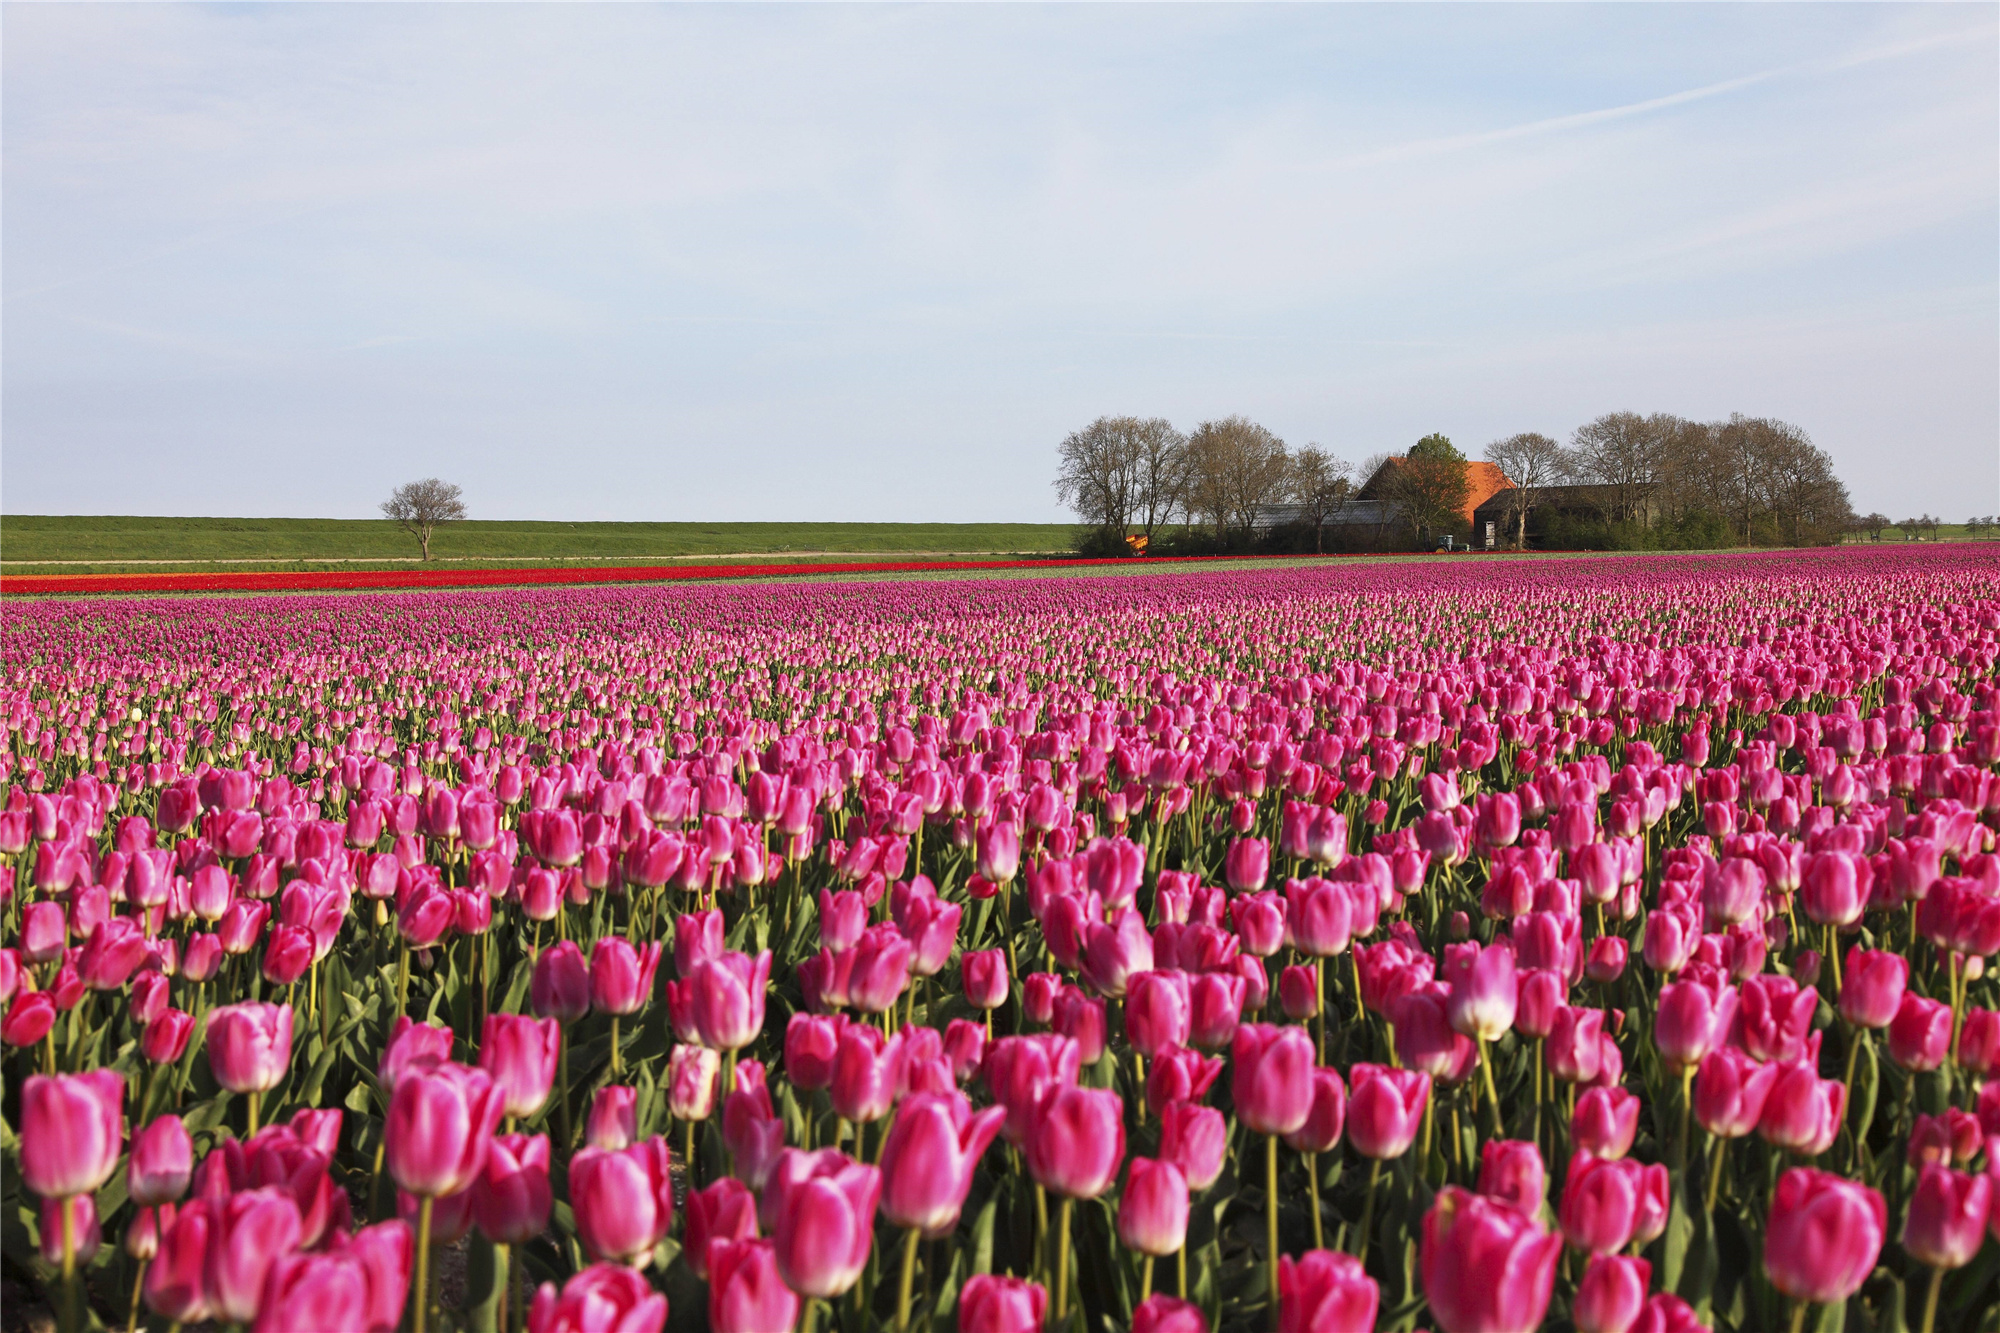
(107, 544)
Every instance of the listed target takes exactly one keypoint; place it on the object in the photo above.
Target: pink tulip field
(1584, 944)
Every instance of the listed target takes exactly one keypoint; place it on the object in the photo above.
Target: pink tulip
(307, 1293)
(1920, 1033)
(72, 1130)
(1325, 1291)
(385, 1253)
(1946, 1221)
(561, 985)
(745, 1291)
(984, 972)
(1691, 1020)
(1216, 1001)
(623, 1200)
(1273, 1072)
(1077, 1142)
(511, 1199)
(250, 1232)
(1247, 864)
(1600, 1202)
(724, 1211)
(1575, 1045)
(1385, 1109)
(160, 1164)
(601, 1297)
(1319, 915)
(823, 1211)
(881, 969)
(85, 1234)
(1823, 1235)
(1729, 1092)
(176, 1285)
(692, 1076)
(867, 1067)
(697, 939)
(613, 1122)
(1512, 1172)
(1605, 1123)
(249, 1045)
(519, 1054)
(988, 1304)
(928, 1159)
(440, 1122)
(1484, 993)
(411, 1046)
(1161, 1313)
(1195, 1139)
(1157, 1011)
(1487, 1268)
(1612, 1294)
(621, 976)
(1803, 1111)
(1153, 1210)
(1328, 1116)
(1872, 986)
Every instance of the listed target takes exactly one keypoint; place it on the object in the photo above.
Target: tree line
(1624, 479)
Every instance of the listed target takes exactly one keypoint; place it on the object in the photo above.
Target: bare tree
(1620, 451)
(1872, 524)
(1099, 474)
(421, 507)
(1533, 463)
(1162, 465)
(1236, 467)
(1319, 484)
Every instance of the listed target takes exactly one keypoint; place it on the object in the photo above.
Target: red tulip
(1325, 1291)
(1487, 1268)
(440, 1121)
(623, 1200)
(601, 1297)
(72, 1129)
(1823, 1235)
(928, 1159)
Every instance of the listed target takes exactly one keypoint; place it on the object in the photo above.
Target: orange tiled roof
(1483, 481)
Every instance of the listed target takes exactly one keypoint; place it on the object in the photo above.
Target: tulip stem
(139, 1287)
(1062, 1262)
(808, 1315)
(616, 1067)
(1139, 1084)
(1799, 1317)
(1180, 1262)
(1312, 1186)
(1715, 1172)
(1271, 1219)
(1684, 1143)
(1146, 1279)
(1930, 1300)
(1492, 1097)
(1367, 1210)
(687, 1153)
(517, 1284)
(422, 1288)
(68, 1209)
(256, 1104)
(909, 1274)
(562, 1093)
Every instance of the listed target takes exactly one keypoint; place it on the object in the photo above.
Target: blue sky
(625, 262)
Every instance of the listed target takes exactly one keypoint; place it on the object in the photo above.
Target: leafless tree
(1163, 472)
(1099, 473)
(1872, 524)
(1533, 463)
(1236, 467)
(1319, 484)
(1620, 451)
(421, 507)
